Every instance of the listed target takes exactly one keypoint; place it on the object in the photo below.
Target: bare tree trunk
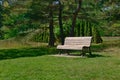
(74, 18)
(51, 37)
(60, 23)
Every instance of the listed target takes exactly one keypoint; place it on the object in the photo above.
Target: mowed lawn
(105, 65)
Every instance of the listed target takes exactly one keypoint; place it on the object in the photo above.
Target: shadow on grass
(95, 55)
(89, 56)
(26, 52)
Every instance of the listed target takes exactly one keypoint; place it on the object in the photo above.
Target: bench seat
(71, 47)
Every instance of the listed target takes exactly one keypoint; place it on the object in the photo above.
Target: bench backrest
(78, 41)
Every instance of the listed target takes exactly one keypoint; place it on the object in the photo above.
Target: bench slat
(78, 41)
(69, 47)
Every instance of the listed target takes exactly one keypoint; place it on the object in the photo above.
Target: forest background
(52, 20)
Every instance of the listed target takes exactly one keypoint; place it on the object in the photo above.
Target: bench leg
(86, 50)
(60, 52)
(90, 51)
(67, 52)
(83, 53)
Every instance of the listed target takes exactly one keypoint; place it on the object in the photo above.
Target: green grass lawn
(36, 64)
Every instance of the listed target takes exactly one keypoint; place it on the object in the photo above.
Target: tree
(74, 17)
(60, 23)
(42, 12)
(4, 12)
(86, 19)
(111, 17)
(51, 37)
(15, 21)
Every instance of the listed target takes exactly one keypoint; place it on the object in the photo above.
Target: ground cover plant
(38, 64)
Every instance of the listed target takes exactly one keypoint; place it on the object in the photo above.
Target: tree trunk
(74, 18)
(60, 23)
(51, 37)
(78, 30)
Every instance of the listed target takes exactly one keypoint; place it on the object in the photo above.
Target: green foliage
(41, 36)
(96, 35)
(39, 10)
(26, 16)
(18, 24)
(10, 33)
(4, 12)
(66, 29)
(113, 30)
(1, 18)
(1, 15)
(110, 16)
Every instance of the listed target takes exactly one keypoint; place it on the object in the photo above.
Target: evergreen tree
(42, 11)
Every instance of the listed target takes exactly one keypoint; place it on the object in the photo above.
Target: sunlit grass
(37, 64)
(61, 68)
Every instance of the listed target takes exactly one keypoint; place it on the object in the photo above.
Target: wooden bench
(77, 43)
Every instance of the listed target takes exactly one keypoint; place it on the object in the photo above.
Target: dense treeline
(52, 20)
